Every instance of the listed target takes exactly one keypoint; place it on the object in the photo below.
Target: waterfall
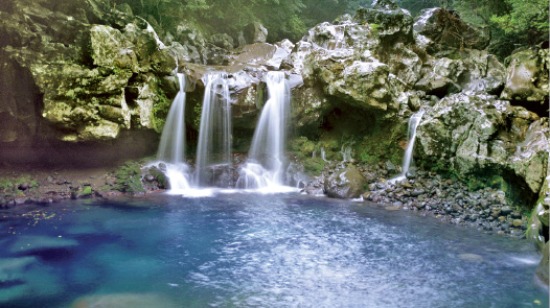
(346, 153)
(214, 144)
(266, 158)
(171, 149)
(413, 125)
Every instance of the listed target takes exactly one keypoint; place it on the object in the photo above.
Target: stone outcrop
(527, 79)
(97, 72)
(438, 29)
(344, 182)
(479, 134)
(84, 71)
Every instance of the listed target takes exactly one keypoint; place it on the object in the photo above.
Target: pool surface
(254, 250)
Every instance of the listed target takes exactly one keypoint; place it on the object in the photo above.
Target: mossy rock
(128, 178)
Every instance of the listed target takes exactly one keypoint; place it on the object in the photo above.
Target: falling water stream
(171, 149)
(214, 144)
(266, 159)
(414, 121)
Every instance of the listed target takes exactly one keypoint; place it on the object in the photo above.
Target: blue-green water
(248, 250)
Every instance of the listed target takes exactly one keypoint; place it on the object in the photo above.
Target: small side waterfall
(413, 125)
(171, 149)
(265, 165)
(214, 144)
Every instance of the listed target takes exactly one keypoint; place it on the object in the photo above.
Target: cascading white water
(413, 125)
(172, 140)
(171, 149)
(214, 144)
(346, 153)
(266, 158)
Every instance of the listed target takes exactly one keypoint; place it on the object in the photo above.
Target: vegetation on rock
(129, 178)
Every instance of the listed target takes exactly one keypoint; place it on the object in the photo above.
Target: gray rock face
(83, 101)
(393, 24)
(480, 132)
(469, 70)
(439, 29)
(527, 77)
(344, 183)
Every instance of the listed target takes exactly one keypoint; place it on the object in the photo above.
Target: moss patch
(128, 178)
(13, 188)
(160, 111)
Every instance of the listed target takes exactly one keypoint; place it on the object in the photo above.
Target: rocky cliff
(86, 76)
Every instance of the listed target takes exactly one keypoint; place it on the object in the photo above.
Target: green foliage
(284, 19)
(303, 149)
(197, 113)
(512, 23)
(11, 187)
(128, 178)
(314, 165)
(160, 111)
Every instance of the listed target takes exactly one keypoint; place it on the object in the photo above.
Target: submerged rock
(35, 244)
(471, 257)
(123, 300)
(22, 276)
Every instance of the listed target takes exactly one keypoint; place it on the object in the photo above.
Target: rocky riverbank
(428, 193)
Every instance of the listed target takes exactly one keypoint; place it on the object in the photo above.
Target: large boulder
(527, 78)
(470, 70)
(392, 23)
(439, 29)
(344, 182)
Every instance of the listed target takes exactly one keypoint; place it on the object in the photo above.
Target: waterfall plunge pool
(254, 250)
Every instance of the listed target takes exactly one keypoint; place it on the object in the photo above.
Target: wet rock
(345, 183)
(395, 23)
(543, 268)
(472, 133)
(517, 223)
(110, 48)
(255, 33)
(527, 78)
(440, 29)
(505, 210)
